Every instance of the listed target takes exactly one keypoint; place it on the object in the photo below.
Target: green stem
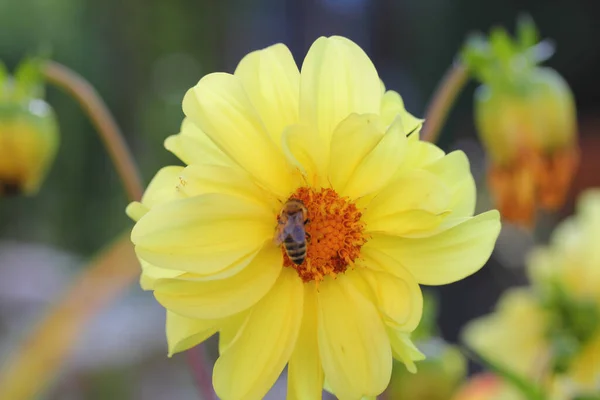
(444, 97)
(109, 132)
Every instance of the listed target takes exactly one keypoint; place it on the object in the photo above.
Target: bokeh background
(142, 55)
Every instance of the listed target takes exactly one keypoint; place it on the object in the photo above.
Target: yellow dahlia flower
(550, 332)
(384, 213)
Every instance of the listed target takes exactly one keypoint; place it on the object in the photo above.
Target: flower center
(334, 234)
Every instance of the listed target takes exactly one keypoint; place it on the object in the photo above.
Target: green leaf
(428, 325)
(527, 33)
(29, 80)
(476, 51)
(3, 73)
(528, 389)
(477, 56)
(502, 45)
(4, 77)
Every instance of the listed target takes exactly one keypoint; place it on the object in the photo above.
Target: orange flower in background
(526, 118)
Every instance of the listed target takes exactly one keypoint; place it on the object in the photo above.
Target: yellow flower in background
(28, 131)
(550, 332)
(567, 275)
(384, 212)
(526, 118)
(514, 335)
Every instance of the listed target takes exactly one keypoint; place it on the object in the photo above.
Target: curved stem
(443, 99)
(113, 140)
(197, 361)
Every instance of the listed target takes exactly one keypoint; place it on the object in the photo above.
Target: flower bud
(526, 118)
(28, 132)
(530, 136)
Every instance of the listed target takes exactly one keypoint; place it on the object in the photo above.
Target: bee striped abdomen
(296, 251)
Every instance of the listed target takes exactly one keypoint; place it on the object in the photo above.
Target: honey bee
(291, 230)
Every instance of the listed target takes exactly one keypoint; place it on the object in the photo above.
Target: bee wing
(280, 236)
(295, 228)
(298, 233)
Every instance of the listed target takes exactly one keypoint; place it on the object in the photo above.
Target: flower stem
(197, 361)
(444, 97)
(96, 109)
(41, 353)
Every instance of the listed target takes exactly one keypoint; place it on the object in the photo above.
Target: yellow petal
(353, 344)
(305, 150)
(218, 104)
(219, 298)
(231, 329)
(251, 364)
(162, 188)
(184, 333)
(393, 290)
(201, 179)
(337, 79)
(419, 154)
(136, 210)
(272, 81)
(392, 106)
(354, 138)
(416, 201)
(203, 234)
(404, 349)
(305, 372)
(192, 146)
(151, 273)
(454, 171)
(369, 176)
(445, 257)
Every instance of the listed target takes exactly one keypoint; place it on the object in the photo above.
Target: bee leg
(308, 237)
(306, 221)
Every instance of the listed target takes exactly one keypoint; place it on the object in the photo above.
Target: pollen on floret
(335, 234)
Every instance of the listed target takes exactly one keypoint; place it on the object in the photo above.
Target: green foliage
(527, 34)
(3, 79)
(501, 60)
(29, 79)
(574, 322)
(428, 325)
(26, 83)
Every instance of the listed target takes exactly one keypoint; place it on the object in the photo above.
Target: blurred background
(142, 55)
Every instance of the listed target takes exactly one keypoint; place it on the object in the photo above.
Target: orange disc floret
(533, 179)
(334, 234)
